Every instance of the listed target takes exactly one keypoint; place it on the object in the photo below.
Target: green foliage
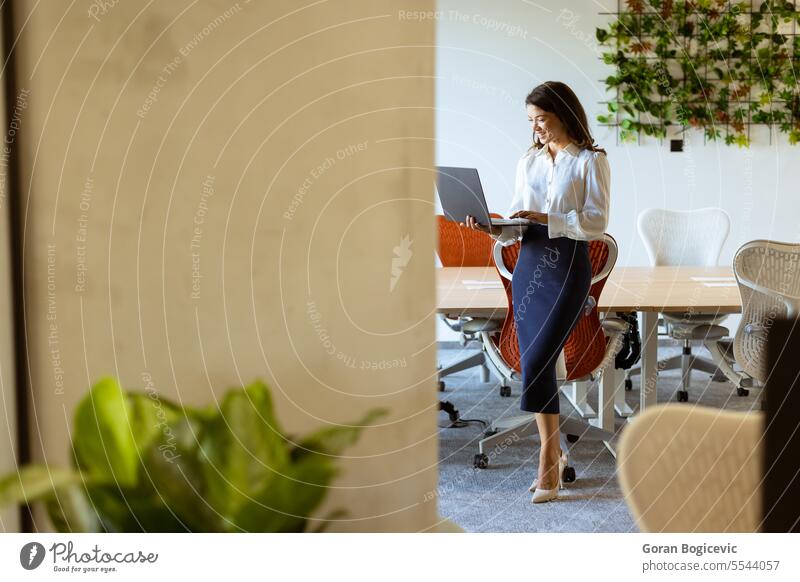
(142, 463)
(701, 63)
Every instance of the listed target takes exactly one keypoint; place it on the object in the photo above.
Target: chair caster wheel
(569, 474)
(572, 438)
(441, 385)
(480, 461)
(505, 391)
(683, 396)
(628, 384)
(742, 392)
(489, 432)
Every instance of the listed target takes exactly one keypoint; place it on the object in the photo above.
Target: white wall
(490, 55)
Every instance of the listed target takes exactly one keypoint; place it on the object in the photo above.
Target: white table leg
(576, 395)
(620, 405)
(648, 394)
(610, 382)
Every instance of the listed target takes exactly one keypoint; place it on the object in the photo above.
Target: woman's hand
(539, 217)
(470, 222)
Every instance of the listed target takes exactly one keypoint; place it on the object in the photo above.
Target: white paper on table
(713, 278)
(481, 287)
(479, 282)
(726, 284)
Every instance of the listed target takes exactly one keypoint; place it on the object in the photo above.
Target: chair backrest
(693, 237)
(693, 469)
(586, 345)
(768, 274)
(463, 247)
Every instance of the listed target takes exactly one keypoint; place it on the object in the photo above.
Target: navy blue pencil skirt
(549, 289)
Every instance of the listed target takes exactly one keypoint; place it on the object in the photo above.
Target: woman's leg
(550, 451)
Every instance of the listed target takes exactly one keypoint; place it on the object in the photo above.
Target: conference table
(477, 292)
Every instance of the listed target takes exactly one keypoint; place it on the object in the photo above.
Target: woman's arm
(591, 222)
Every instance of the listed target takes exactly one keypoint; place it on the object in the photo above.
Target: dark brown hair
(557, 98)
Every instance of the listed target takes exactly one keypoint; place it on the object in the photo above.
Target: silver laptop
(461, 194)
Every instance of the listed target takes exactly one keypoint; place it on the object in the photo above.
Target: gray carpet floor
(496, 499)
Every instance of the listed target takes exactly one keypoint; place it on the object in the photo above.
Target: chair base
(687, 362)
(740, 380)
(507, 431)
(478, 359)
(676, 362)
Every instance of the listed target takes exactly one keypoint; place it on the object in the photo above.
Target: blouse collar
(570, 148)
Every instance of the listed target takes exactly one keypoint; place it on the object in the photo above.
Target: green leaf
(70, 511)
(103, 442)
(242, 449)
(286, 503)
(34, 482)
(176, 472)
(149, 418)
(335, 439)
(133, 510)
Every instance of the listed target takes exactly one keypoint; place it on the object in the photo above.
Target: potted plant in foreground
(142, 463)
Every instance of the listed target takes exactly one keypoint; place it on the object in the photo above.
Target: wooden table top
(660, 289)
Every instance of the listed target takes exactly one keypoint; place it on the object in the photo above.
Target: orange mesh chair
(590, 349)
(463, 247)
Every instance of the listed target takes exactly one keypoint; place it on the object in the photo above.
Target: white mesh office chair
(768, 274)
(693, 469)
(695, 238)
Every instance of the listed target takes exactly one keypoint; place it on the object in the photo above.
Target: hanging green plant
(714, 65)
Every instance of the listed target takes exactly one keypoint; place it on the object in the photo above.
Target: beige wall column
(218, 191)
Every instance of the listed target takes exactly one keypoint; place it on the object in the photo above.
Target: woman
(562, 186)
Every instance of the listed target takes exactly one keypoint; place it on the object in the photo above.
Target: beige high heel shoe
(544, 495)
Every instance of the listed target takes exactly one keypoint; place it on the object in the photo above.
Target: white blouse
(573, 191)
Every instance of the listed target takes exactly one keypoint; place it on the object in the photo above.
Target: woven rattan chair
(768, 275)
(693, 469)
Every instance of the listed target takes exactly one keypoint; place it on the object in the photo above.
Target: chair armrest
(498, 260)
(610, 262)
(613, 252)
(614, 325)
(791, 302)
